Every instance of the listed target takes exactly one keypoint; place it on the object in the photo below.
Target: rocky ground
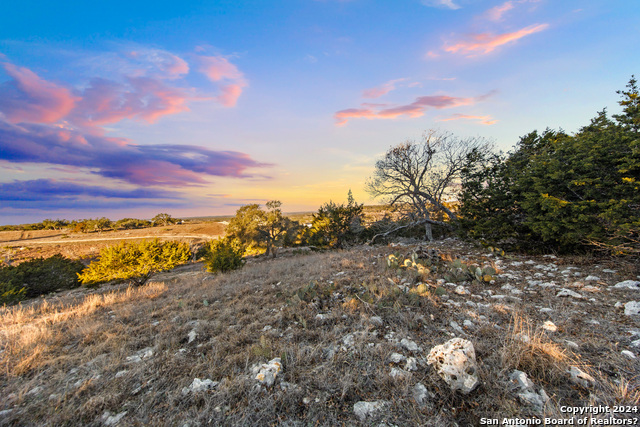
(336, 338)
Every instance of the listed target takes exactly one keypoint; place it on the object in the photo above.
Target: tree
(562, 192)
(419, 177)
(252, 226)
(135, 261)
(163, 219)
(337, 224)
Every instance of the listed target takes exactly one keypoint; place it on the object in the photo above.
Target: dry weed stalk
(529, 350)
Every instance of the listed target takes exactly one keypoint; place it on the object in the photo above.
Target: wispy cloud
(484, 43)
(144, 98)
(119, 158)
(496, 13)
(381, 90)
(412, 110)
(41, 189)
(485, 120)
(27, 97)
(218, 69)
(444, 4)
(45, 122)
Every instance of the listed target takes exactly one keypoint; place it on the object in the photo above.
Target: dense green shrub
(254, 228)
(223, 255)
(135, 261)
(337, 225)
(561, 192)
(37, 277)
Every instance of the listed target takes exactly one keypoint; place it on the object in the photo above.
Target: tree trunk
(428, 232)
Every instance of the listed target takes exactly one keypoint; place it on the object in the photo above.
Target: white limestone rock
(549, 326)
(628, 354)
(632, 308)
(578, 376)
(455, 362)
(525, 390)
(112, 420)
(409, 345)
(412, 364)
(564, 292)
(364, 410)
(199, 385)
(397, 358)
(420, 394)
(267, 372)
(628, 284)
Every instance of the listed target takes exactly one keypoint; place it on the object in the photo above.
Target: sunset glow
(197, 108)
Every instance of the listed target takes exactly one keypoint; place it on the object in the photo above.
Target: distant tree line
(94, 225)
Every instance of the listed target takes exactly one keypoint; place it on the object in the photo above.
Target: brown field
(18, 246)
(127, 356)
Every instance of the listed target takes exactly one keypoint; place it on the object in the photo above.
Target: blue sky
(126, 109)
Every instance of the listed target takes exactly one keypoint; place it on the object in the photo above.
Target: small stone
(468, 324)
(420, 394)
(629, 354)
(199, 385)
(409, 345)
(549, 326)
(306, 400)
(267, 372)
(578, 376)
(363, 409)
(628, 284)
(461, 290)
(121, 373)
(568, 293)
(35, 391)
(632, 308)
(376, 320)
(572, 345)
(591, 278)
(192, 335)
(456, 327)
(412, 364)
(397, 358)
(398, 374)
(112, 420)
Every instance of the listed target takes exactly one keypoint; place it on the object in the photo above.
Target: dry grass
(70, 363)
(528, 349)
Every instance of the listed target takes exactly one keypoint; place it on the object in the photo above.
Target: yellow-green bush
(223, 255)
(135, 261)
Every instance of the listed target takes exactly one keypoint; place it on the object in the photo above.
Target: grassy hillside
(128, 356)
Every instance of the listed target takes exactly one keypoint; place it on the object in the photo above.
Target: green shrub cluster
(135, 261)
(38, 276)
(223, 255)
(561, 192)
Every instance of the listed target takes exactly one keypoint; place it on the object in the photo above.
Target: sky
(128, 109)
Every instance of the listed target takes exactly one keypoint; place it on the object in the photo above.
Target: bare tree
(419, 177)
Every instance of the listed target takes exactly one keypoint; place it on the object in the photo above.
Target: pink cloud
(381, 90)
(485, 120)
(29, 98)
(231, 80)
(217, 68)
(413, 110)
(480, 44)
(143, 98)
(230, 93)
(496, 13)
